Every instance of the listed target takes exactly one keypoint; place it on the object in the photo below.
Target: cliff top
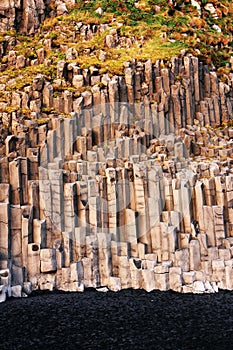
(105, 34)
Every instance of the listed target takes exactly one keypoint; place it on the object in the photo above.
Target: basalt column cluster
(128, 185)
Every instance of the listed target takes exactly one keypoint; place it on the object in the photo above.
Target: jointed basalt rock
(127, 185)
(24, 15)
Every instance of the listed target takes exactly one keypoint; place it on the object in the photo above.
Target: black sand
(130, 319)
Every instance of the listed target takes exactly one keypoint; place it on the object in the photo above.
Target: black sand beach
(130, 319)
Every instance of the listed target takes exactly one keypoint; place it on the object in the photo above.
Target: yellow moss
(141, 22)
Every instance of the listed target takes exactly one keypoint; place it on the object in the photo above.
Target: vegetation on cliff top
(154, 29)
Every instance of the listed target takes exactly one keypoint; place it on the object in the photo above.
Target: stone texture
(102, 195)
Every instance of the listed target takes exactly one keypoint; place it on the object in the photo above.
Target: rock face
(26, 15)
(111, 196)
(117, 182)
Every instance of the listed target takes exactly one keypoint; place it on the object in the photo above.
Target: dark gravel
(130, 319)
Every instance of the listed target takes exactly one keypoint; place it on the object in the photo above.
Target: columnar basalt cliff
(26, 15)
(120, 181)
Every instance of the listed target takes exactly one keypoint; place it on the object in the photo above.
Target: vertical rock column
(57, 201)
(70, 206)
(69, 137)
(51, 145)
(229, 203)
(141, 200)
(154, 210)
(209, 225)
(112, 202)
(16, 235)
(114, 103)
(169, 206)
(39, 232)
(33, 264)
(4, 235)
(82, 194)
(26, 237)
(4, 170)
(18, 180)
(131, 230)
(223, 90)
(182, 202)
(104, 254)
(196, 85)
(122, 201)
(199, 202)
(45, 203)
(209, 191)
(149, 77)
(79, 243)
(169, 241)
(186, 204)
(90, 263)
(188, 85)
(219, 227)
(60, 139)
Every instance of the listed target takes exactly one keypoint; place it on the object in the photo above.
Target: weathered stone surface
(148, 280)
(104, 257)
(76, 276)
(195, 255)
(114, 284)
(135, 273)
(102, 194)
(189, 277)
(198, 287)
(48, 260)
(4, 236)
(33, 267)
(47, 281)
(16, 291)
(218, 267)
(124, 272)
(3, 291)
(175, 279)
(162, 281)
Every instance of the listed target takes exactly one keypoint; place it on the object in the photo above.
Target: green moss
(47, 110)
(42, 121)
(25, 76)
(139, 20)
